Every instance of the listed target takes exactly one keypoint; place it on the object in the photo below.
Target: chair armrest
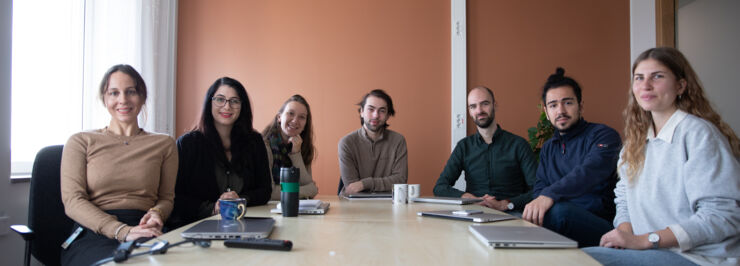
(24, 231)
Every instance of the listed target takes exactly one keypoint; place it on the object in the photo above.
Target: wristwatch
(654, 238)
(510, 206)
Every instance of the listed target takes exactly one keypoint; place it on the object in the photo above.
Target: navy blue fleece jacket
(580, 166)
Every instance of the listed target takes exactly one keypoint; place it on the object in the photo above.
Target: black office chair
(341, 186)
(48, 226)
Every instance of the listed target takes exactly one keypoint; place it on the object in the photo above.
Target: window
(61, 49)
(46, 77)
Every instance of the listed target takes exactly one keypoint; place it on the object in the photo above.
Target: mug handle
(243, 210)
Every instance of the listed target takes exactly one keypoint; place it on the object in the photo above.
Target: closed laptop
(520, 237)
(307, 207)
(248, 227)
(482, 217)
(446, 200)
(369, 195)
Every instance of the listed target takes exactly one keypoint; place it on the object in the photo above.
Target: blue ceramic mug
(232, 209)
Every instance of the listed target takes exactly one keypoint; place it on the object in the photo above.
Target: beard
(484, 122)
(564, 127)
(372, 128)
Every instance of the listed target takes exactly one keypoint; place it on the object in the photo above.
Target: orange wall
(513, 46)
(331, 52)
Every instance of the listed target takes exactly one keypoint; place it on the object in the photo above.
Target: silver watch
(510, 206)
(654, 238)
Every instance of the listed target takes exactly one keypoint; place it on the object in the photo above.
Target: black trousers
(90, 247)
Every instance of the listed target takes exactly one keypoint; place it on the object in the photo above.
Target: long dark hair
(240, 132)
(308, 151)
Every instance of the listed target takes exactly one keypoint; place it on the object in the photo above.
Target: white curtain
(141, 33)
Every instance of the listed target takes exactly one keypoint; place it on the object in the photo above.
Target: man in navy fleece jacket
(574, 192)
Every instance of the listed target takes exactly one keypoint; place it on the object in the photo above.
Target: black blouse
(197, 186)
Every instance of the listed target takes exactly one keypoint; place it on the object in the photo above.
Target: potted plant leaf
(540, 133)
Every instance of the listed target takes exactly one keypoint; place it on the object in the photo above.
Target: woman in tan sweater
(117, 182)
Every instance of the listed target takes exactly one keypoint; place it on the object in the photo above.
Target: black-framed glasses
(221, 101)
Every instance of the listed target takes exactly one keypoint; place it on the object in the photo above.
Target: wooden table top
(367, 232)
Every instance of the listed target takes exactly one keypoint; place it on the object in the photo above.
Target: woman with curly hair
(678, 197)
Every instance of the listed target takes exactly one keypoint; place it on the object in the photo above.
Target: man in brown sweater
(373, 158)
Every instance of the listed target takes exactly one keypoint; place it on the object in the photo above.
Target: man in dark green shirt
(499, 166)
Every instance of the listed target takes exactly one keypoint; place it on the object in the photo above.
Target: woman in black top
(222, 157)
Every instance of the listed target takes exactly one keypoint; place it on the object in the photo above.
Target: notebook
(248, 227)
(446, 200)
(369, 195)
(307, 207)
(477, 218)
(520, 237)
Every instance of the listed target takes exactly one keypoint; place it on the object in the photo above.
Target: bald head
(481, 105)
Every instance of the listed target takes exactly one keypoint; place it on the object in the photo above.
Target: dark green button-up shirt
(505, 169)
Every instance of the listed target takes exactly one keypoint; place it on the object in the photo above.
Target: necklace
(125, 139)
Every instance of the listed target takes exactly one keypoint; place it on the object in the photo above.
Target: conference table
(366, 232)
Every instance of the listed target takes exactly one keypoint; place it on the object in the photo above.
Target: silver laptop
(520, 237)
(446, 200)
(248, 227)
(477, 218)
(370, 195)
(307, 207)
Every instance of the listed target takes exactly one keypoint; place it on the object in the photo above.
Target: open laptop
(369, 195)
(307, 207)
(446, 200)
(247, 227)
(477, 218)
(520, 237)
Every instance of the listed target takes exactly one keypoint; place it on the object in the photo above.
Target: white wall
(708, 35)
(13, 197)
(642, 28)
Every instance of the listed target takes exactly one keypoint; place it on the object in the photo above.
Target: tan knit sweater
(307, 189)
(378, 164)
(104, 171)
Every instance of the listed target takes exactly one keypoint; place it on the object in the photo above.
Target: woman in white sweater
(678, 197)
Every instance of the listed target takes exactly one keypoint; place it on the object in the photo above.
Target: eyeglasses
(221, 101)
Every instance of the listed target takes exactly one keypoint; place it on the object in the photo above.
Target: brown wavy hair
(308, 151)
(692, 101)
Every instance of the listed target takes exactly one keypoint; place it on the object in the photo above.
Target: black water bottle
(289, 177)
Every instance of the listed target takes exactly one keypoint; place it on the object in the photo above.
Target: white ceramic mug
(414, 191)
(400, 194)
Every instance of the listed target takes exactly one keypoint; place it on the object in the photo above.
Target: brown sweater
(379, 164)
(103, 171)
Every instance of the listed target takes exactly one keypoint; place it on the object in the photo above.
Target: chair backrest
(45, 209)
(341, 186)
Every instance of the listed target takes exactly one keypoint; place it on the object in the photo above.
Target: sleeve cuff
(684, 241)
(109, 230)
(620, 220)
(519, 202)
(124, 233)
(295, 157)
(367, 183)
(547, 193)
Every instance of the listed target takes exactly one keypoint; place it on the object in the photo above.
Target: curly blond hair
(692, 101)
